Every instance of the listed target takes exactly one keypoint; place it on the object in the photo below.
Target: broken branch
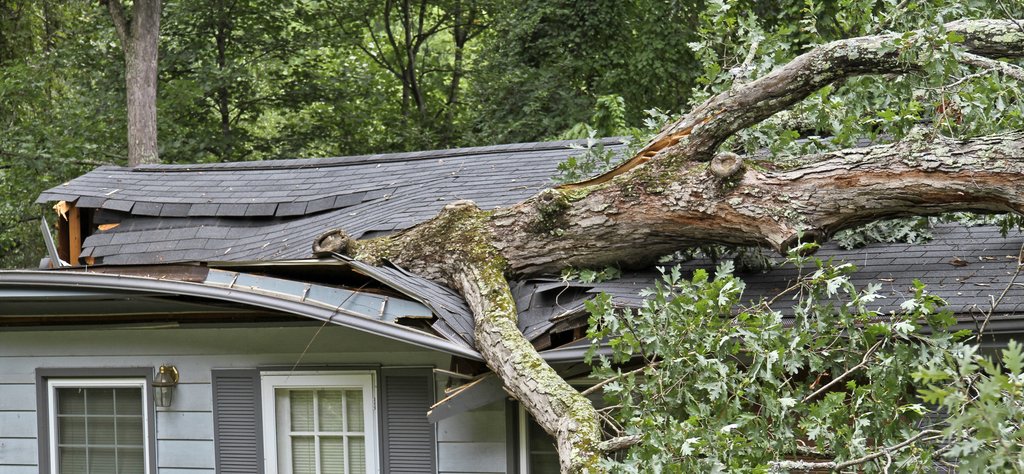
(926, 435)
(1007, 69)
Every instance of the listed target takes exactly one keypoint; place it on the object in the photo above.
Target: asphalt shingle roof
(273, 210)
(991, 264)
(270, 210)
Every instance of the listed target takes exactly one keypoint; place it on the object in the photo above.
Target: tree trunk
(140, 38)
(471, 264)
(460, 35)
(677, 191)
(223, 93)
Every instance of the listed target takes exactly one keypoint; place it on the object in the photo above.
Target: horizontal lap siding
(184, 431)
(473, 441)
(18, 446)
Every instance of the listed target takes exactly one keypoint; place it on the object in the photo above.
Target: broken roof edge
(338, 317)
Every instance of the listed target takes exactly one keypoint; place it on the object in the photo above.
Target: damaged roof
(966, 266)
(366, 311)
(265, 212)
(273, 210)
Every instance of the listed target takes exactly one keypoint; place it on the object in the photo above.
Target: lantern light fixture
(166, 380)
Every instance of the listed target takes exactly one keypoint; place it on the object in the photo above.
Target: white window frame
(270, 382)
(52, 384)
(524, 448)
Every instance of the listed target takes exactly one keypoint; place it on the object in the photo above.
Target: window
(98, 426)
(537, 452)
(319, 423)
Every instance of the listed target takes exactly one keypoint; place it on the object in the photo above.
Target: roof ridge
(341, 161)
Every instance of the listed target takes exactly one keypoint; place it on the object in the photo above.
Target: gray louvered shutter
(409, 443)
(237, 421)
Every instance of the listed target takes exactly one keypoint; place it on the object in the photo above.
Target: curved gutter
(340, 317)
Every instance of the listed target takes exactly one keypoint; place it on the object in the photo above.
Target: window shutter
(409, 443)
(237, 421)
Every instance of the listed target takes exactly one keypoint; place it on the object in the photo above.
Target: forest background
(261, 79)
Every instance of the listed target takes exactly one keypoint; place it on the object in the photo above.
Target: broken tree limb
(668, 197)
(697, 135)
(922, 436)
(657, 209)
(456, 247)
(619, 443)
(724, 165)
(1007, 69)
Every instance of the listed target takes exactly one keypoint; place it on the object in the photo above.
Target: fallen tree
(680, 190)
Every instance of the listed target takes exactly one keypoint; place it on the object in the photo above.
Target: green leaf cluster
(726, 384)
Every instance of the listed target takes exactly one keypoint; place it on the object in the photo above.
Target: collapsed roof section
(968, 267)
(252, 220)
(273, 210)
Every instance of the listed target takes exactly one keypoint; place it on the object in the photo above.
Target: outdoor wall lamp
(166, 380)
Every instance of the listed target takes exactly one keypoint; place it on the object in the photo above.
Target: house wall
(184, 431)
(474, 441)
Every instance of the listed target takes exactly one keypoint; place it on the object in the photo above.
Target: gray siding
(473, 442)
(17, 427)
(184, 431)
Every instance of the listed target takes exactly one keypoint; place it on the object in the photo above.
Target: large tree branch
(656, 209)
(722, 116)
(697, 135)
(120, 21)
(922, 436)
(456, 247)
(660, 207)
(1007, 69)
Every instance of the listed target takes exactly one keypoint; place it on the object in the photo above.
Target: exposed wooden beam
(74, 234)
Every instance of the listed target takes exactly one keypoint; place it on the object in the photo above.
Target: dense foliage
(254, 79)
(725, 385)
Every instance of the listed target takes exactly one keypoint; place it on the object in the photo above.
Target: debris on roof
(969, 289)
(454, 319)
(266, 216)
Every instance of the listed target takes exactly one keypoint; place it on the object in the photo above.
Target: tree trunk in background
(223, 94)
(140, 37)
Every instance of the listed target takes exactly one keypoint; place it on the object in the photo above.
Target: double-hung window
(98, 426)
(319, 423)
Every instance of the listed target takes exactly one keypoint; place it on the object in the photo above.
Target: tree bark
(654, 210)
(223, 95)
(672, 194)
(140, 38)
(457, 248)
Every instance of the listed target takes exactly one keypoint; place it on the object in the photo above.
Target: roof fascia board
(338, 317)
